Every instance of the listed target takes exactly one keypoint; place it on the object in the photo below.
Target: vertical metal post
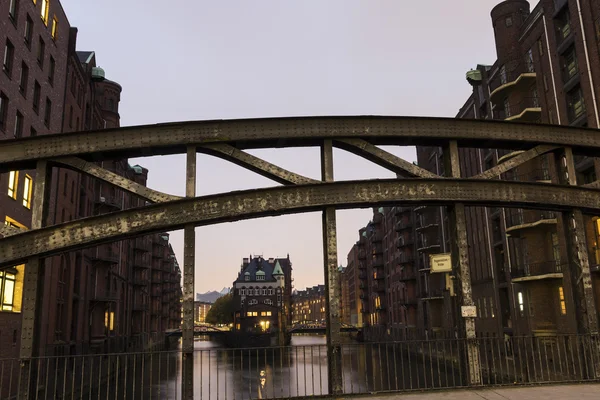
(583, 291)
(189, 240)
(33, 282)
(460, 259)
(332, 282)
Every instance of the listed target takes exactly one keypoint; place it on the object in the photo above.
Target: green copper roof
(277, 270)
(260, 272)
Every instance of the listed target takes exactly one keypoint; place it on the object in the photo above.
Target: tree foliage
(222, 311)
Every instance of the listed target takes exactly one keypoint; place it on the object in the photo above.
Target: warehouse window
(27, 190)
(13, 183)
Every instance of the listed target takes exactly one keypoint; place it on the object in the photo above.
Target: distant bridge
(320, 328)
(200, 330)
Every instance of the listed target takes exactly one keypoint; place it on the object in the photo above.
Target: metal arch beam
(383, 158)
(241, 205)
(6, 230)
(515, 161)
(110, 177)
(173, 138)
(253, 163)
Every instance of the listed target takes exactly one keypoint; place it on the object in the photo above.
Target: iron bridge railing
(301, 371)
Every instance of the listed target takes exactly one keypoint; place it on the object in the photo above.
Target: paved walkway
(559, 392)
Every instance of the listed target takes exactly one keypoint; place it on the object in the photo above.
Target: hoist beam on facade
(173, 138)
(114, 179)
(515, 161)
(282, 200)
(383, 158)
(253, 163)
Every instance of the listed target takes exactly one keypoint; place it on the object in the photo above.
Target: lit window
(54, 27)
(45, 10)
(561, 297)
(521, 304)
(13, 182)
(27, 189)
(268, 313)
(109, 320)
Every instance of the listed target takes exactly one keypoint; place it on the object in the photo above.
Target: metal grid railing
(301, 371)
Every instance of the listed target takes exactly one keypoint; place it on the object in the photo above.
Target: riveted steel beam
(593, 185)
(189, 266)
(117, 180)
(332, 281)
(253, 163)
(33, 286)
(515, 161)
(282, 200)
(383, 158)
(6, 230)
(461, 269)
(173, 138)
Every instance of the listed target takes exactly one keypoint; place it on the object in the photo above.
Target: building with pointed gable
(262, 295)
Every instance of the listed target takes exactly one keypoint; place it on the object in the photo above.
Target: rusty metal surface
(580, 266)
(7, 230)
(262, 167)
(461, 267)
(515, 161)
(383, 158)
(279, 132)
(117, 180)
(189, 270)
(332, 281)
(241, 205)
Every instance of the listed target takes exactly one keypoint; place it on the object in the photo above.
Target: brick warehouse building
(519, 258)
(97, 299)
(308, 306)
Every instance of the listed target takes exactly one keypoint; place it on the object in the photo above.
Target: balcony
(362, 276)
(403, 225)
(405, 242)
(108, 203)
(141, 244)
(362, 255)
(377, 249)
(407, 275)
(362, 265)
(140, 307)
(140, 262)
(405, 258)
(140, 282)
(377, 237)
(421, 209)
(409, 301)
(537, 271)
(513, 75)
(432, 294)
(379, 285)
(425, 226)
(105, 296)
(519, 220)
(527, 110)
(378, 262)
(104, 254)
(424, 246)
(402, 210)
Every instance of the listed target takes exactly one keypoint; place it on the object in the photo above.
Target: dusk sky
(182, 60)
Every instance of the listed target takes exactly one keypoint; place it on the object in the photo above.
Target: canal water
(298, 370)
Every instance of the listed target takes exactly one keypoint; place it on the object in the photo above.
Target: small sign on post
(440, 262)
(469, 311)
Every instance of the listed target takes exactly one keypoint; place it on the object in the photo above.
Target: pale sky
(181, 60)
